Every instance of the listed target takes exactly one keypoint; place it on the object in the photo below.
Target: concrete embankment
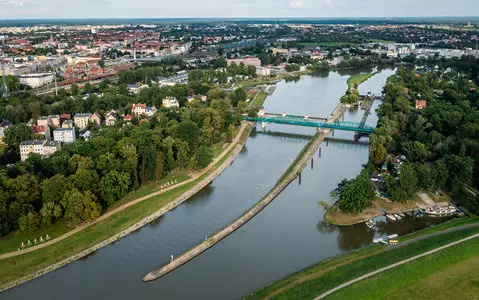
(289, 176)
(237, 147)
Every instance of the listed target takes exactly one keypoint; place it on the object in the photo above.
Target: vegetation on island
(439, 143)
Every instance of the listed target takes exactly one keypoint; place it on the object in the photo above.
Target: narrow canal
(287, 236)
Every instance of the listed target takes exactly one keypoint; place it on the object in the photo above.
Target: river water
(288, 235)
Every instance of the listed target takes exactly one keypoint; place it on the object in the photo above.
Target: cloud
(16, 2)
(296, 3)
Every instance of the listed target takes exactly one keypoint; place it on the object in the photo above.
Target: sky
(62, 9)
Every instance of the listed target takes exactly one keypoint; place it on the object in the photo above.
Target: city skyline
(57, 9)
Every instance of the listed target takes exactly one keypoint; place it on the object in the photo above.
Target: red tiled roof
(128, 117)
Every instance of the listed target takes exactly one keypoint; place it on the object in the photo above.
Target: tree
(357, 195)
(101, 63)
(80, 207)
(238, 95)
(50, 212)
(378, 153)
(26, 188)
(85, 180)
(54, 188)
(29, 222)
(114, 186)
(189, 131)
(16, 134)
(204, 157)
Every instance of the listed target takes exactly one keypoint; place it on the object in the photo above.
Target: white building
(261, 71)
(170, 102)
(64, 135)
(43, 148)
(38, 79)
(82, 120)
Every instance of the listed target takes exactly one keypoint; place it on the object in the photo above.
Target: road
(395, 265)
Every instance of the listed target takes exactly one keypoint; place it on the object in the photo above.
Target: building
(128, 119)
(36, 80)
(95, 118)
(250, 61)
(43, 148)
(170, 102)
(110, 118)
(67, 124)
(64, 135)
(64, 117)
(261, 71)
(54, 120)
(43, 121)
(421, 104)
(82, 120)
(44, 131)
(143, 110)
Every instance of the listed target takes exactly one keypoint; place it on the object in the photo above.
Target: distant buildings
(169, 102)
(43, 148)
(201, 97)
(250, 61)
(44, 131)
(95, 118)
(111, 118)
(261, 71)
(64, 135)
(421, 104)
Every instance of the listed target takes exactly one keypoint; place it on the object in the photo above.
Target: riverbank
(330, 273)
(355, 80)
(19, 269)
(290, 175)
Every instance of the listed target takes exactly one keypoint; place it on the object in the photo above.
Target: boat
(402, 215)
(441, 210)
(370, 224)
(397, 216)
(409, 214)
(391, 217)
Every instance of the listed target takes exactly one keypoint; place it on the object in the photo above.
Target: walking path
(313, 276)
(282, 184)
(171, 205)
(351, 282)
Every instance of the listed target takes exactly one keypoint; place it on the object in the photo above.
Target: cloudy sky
(35, 9)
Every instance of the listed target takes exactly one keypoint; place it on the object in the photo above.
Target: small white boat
(370, 224)
(402, 215)
(398, 217)
(444, 210)
(391, 217)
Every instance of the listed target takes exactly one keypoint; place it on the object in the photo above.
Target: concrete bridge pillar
(263, 126)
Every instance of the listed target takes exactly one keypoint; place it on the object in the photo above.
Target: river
(288, 235)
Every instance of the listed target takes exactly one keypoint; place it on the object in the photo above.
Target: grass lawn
(380, 41)
(326, 275)
(448, 274)
(358, 79)
(259, 99)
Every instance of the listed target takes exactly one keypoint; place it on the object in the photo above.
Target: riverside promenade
(290, 175)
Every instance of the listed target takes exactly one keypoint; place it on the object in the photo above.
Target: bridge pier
(319, 152)
(312, 163)
(263, 126)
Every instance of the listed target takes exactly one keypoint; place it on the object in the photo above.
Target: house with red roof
(421, 104)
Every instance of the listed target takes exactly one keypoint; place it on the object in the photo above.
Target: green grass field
(328, 274)
(448, 274)
(358, 79)
(259, 99)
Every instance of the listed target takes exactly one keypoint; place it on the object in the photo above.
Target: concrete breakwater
(237, 147)
(290, 175)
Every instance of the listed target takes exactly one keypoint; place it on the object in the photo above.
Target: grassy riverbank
(259, 99)
(448, 274)
(14, 268)
(328, 274)
(357, 79)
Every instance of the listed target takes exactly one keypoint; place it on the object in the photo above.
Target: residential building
(128, 119)
(143, 110)
(64, 135)
(421, 104)
(261, 71)
(81, 120)
(110, 118)
(54, 120)
(201, 97)
(44, 131)
(170, 102)
(43, 121)
(67, 124)
(64, 117)
(95, 118)
(43, 148)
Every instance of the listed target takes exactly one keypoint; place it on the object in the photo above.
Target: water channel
(287, 236)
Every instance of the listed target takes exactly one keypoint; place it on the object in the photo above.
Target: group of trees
(82, 179)
(440, 142)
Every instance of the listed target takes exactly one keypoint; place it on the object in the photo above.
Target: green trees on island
(356, 195)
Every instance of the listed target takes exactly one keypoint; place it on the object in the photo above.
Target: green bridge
(311, 122)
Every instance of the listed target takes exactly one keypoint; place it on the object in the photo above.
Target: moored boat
(441, 210)
(391, 217)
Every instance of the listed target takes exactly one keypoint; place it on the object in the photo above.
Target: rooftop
(32, 142)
